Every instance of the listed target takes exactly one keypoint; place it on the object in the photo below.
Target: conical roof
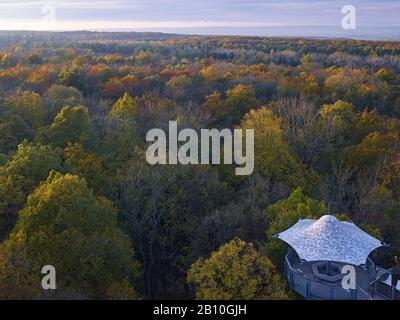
(329, 239)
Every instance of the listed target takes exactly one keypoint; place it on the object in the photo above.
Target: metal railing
(388, 291)
(378, 285)
(314, 289)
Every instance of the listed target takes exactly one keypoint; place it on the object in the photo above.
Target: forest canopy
(76, 191)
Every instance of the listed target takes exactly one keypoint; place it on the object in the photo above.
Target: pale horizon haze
(254, 17)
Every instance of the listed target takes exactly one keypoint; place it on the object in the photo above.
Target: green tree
(377, 208)
(341, 122)
(235, 272)
(340, 113)
(371, 153)
(63, 224)
(390, 176)
(32, 164)
(213, 107)
(272, 156)
(11, 201)
(122, 135)
(71, 125)
(86, 165)
(59, 96)
(385, 75)
(242, 217)
(161, 208)
(19, 176)
(240, 100)
(16, 277)
(73, 78)
(27, 105)
(284, 214)
(13, 130)
(379, 212)
(306, 59)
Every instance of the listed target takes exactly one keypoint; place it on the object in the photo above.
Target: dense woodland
(77, 193)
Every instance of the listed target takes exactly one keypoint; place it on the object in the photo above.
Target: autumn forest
(77, 193)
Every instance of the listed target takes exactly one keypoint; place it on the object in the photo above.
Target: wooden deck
(303, 281)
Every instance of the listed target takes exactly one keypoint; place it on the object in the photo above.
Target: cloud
(192, 13)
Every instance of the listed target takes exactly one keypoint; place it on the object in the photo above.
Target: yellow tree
(273, 157)
(236, 271)
(28, 105)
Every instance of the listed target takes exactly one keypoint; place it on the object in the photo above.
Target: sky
(189, 14)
